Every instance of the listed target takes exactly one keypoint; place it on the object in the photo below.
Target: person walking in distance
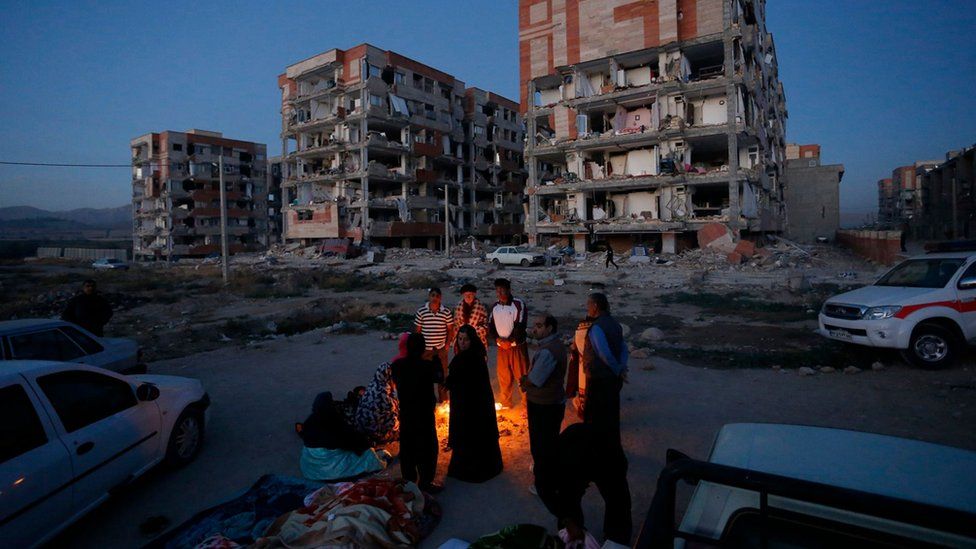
(545, 399)
(604, 357)
(470, 312)
(508, 323)
(610, 260)
(88, 309)
(436, 323)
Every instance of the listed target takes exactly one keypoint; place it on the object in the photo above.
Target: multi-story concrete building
(374, 143)
(275, 201)
(948, 197)
(176, 194)
(887, 199)
(648, 119)
(811, 194)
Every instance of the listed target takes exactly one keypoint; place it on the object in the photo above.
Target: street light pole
(447, 225)
(223, 221)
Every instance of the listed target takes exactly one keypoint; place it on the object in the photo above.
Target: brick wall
(881, 246)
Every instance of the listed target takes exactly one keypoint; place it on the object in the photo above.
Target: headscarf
(477, 348)
(326, 428)
(377, 415)
(401, 347)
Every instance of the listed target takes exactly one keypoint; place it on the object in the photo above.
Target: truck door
(966, 297)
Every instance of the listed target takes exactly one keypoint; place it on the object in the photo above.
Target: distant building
(887, 198)
(275, 201)
(947, 197)
(176, 195)
(374, 144)
(812, 194)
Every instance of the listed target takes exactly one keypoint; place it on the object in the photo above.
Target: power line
(66, 165)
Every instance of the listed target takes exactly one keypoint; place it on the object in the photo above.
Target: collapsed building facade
(176, 194)
(380, 148)
(646, 120)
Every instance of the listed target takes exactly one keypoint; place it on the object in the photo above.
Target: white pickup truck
(925, 306)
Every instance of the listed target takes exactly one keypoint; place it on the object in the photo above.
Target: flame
(444, 409)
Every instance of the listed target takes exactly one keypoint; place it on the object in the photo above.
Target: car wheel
(186, 439)
(932, 347)
(495, 262)
(525, 262)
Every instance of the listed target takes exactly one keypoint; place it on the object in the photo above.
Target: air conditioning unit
(499, 200)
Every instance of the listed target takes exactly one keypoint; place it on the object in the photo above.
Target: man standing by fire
(508, 324)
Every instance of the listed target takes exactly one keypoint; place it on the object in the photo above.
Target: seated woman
(376, 415)
(473, 429)
(333, 449)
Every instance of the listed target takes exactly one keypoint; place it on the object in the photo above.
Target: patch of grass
(739, 302)
(826, 353)
(398, 322)
(244, 328)
(307, 319)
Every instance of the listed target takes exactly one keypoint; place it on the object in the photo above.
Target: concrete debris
(777, 367)
(652, 335)
(640, 353)
(806, 371)
(852, 370)
(877, 366)
(827, 370)
(625, 329)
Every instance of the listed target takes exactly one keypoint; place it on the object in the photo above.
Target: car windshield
(922, 273)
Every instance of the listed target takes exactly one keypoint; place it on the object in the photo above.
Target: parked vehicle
(515, 255)
(769, 485)
(72, 434)
(925, 306)
(45, 339)
(110, 264)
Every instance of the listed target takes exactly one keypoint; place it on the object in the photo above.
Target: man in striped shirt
(436, 323)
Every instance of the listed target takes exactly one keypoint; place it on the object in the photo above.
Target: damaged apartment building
(380, 148)
(176, 194)
(646, 120)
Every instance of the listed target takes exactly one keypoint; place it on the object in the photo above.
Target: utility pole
(447, 225)
(223, 220)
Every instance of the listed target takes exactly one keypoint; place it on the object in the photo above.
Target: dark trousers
(609, 262)
(418, 453)
(440, 354)
(566, 500)
(544, 423)
(603, 404)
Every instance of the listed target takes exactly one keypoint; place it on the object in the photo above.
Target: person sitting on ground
(415, 378)
(89, 309)
(333, 449)
(376, 415)
(473, 430)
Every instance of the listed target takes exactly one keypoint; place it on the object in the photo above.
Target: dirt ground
(727, 345)
(260, 391)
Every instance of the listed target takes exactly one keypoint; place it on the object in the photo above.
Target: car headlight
(878, 313)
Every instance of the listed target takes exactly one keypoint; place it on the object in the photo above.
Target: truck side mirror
(968, 283)
(147, 392)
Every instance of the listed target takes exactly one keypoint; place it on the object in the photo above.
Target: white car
(925, 306)
(46, 339)
(774, 485)
(109, 264)
(70, 434)
(515, 255)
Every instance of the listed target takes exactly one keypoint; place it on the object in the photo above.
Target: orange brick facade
(554, 33)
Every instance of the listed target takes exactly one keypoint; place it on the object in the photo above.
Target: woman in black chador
(473, 433)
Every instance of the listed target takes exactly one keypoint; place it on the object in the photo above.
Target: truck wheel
(186, 439)
(525, 262)
(932, 347)
(495, 262)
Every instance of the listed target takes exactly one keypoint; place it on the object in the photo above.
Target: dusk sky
(877, 84)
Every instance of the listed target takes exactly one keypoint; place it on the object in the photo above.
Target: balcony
(400, 229)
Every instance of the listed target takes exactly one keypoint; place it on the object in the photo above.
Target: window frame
(70, 410)
(38, 442)
(56, 329)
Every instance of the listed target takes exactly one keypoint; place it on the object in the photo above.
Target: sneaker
(532, 490)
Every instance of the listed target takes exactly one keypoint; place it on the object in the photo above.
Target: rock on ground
(652, 334)
(806, 371)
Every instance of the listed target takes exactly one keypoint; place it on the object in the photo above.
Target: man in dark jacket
(604, 357)
(546, 398)
(88, 309)
(586, 453)
(415, 377)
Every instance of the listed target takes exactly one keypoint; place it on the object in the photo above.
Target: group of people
(401, 400)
